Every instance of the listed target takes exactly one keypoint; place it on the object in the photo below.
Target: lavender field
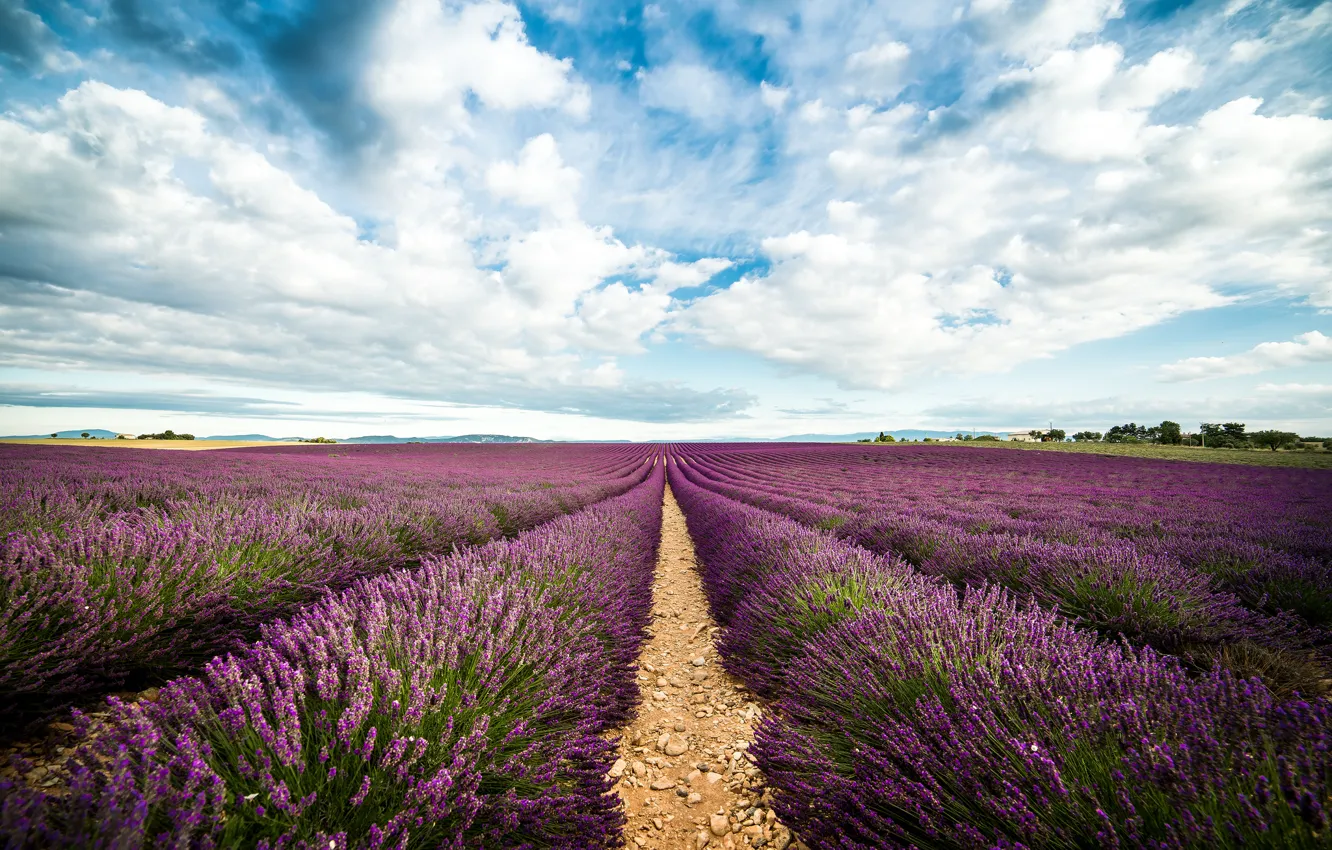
(414, 646)
(1001, 649)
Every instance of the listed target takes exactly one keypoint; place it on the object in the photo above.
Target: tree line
(1213, 435)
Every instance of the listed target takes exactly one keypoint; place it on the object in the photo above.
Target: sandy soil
(177, 445)
(685, 775)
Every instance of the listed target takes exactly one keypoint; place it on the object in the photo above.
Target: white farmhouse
(1025, 436)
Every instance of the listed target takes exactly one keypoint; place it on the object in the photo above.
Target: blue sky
(675, 220)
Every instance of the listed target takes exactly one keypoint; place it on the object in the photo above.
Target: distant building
(127, 437)
(1032, 436)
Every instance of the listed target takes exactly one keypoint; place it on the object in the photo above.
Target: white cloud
(877, 71)
(1034, 33)
(1292, 29)
(1083, 108)
(773, 97)
(241, 272)
(539, 179)
(1311, 347)
(693, 89)
(430, 55)
(1062, 218)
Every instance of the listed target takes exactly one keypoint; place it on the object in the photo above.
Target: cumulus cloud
(140, 237)
(1311, 347)
(1063, 215)
(1033, 30)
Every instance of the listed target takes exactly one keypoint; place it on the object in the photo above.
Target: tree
(1169, 433)
(84, 435)
(1087, 436)
(1228, 436)
(1054, 435)
(54, 435)
(1274, 439)
(885, 438)
(1130, 433)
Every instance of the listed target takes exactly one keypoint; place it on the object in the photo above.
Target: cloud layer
(478, 202)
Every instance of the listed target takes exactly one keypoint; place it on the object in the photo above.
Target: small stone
(662, 681)
(640, 841)
(719, 825)
(714, 778)
(679, 726)
(677, 682)
(638, 768)
(781, 838)
(675, 746)
(150, 695)
(648, 667)
(657, 823)
(662, 784)
(681, 792)
(617, 769)
(694, 798)
(663, 741)
(699, 675)
(699, 661)
(701, 840)
(63, 727)
(659, 695)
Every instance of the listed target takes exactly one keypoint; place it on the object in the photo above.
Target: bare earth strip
(684, 774)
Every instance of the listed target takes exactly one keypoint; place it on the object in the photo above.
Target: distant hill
(465, 438)
(99, 433)
(386, 439)
(904, 434)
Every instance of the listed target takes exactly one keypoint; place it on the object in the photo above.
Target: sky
(586, 219)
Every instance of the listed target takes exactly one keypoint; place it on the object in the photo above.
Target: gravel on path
(684, 772)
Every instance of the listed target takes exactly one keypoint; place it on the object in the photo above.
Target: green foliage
(1169, 433)
(1231, 435)
(884, 438)
(1087, 437)
(1274, 439)
(318, 440)
(168, 434)
(1129, 433)
(1054, 435)
(84, 435)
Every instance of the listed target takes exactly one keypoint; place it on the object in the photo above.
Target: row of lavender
(117, 564)
(909, 714)
(1213, 564)
(460, 704)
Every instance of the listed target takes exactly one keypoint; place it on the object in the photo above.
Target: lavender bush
(1210, 588)
(912, 715)
(455, 705)
(121, 565)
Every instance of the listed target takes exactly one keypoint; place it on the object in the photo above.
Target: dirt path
(684, 773)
